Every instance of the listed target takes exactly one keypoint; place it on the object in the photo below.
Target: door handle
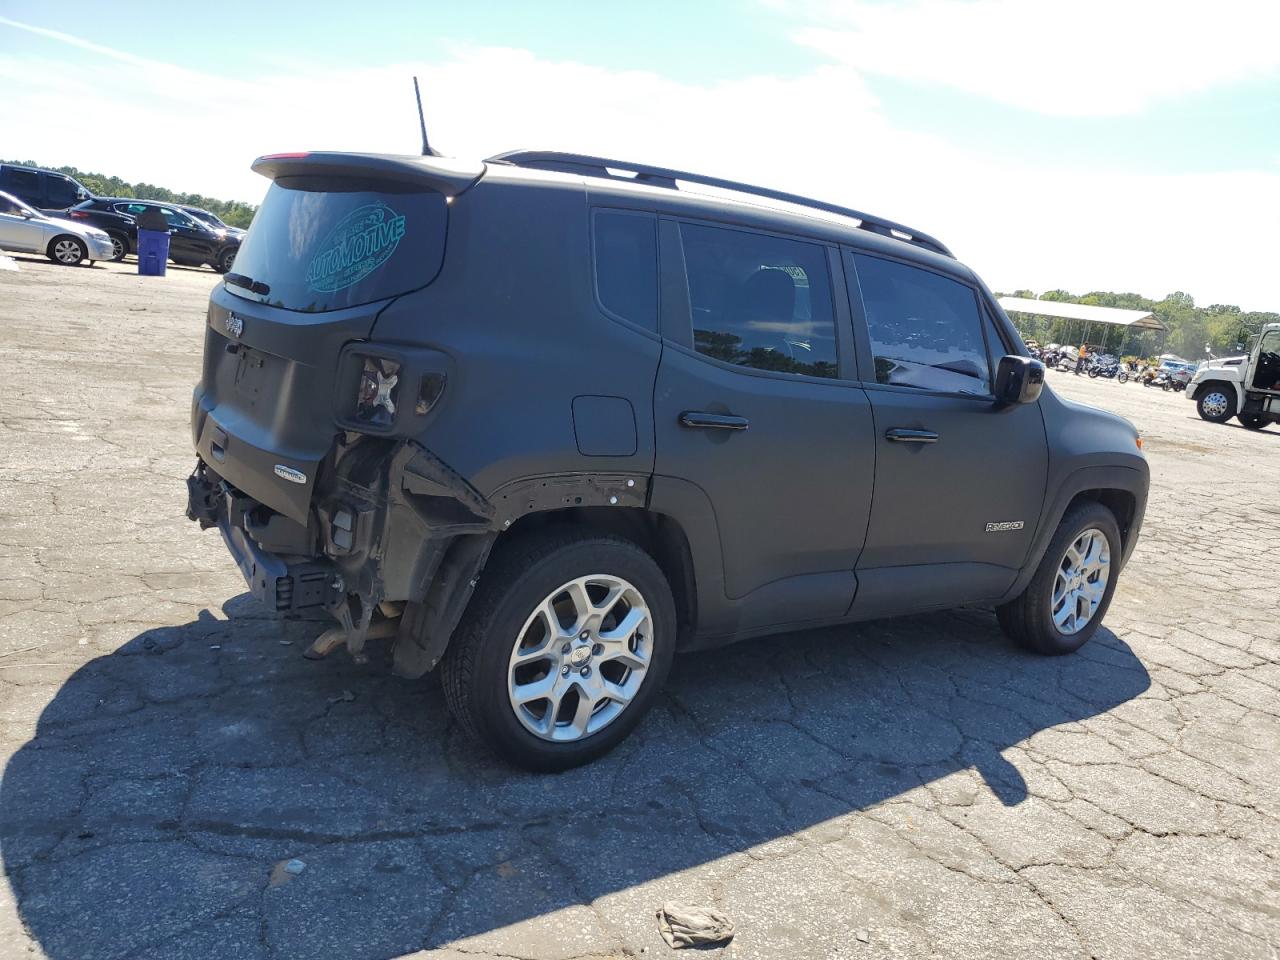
(712, 421)
(903, 435)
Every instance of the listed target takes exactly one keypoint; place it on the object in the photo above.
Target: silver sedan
(62, 241)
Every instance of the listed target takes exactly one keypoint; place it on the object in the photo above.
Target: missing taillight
(429, 389)
(376, 395)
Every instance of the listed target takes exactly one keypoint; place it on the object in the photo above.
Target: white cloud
(1086, 57)
(821, 133)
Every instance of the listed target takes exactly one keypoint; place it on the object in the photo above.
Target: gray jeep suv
(547, 419)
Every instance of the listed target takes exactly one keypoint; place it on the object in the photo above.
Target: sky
(1092, 145)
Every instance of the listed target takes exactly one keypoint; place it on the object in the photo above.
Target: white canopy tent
(1113, 316)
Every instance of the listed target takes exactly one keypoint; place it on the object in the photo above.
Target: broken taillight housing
(376, 394)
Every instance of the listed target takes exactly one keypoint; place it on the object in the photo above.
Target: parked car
(23, 228)
(46, 190)
(211, 219)
(547, 419)
(191, 242)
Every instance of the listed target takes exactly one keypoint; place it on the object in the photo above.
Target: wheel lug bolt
(586, 671)
(565, 671)
(597, 649)
(584, 636)
(565, 649)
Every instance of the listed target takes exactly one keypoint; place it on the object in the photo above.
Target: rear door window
(23, 184)
(329, 243)
(760, 301)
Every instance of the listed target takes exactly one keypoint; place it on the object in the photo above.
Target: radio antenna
(422, 122)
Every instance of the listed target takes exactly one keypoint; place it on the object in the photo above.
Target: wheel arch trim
(1110, 485)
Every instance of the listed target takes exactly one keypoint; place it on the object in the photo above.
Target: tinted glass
(334, 243)
(24, 184)
(59, 191)
(996, 347)
(926, 331)
(9, 206)
(759, 301)
(626, 252)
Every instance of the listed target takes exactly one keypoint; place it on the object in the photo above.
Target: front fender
(1132, 479)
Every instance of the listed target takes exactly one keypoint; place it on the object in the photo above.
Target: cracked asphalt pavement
(909, 788)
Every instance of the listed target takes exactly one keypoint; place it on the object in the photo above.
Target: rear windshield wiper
(250, 284)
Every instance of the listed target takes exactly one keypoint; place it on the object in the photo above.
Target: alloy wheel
(68, 252)
(580, 658)
(1081, 581)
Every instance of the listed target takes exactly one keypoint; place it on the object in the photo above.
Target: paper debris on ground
(683, 925)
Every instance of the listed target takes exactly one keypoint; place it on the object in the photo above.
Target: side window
(926, 330)
(996, 346)
(60, 191)
(23, 184)
(760, 301)
(9, 207)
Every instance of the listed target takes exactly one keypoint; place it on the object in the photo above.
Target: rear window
(326, 244)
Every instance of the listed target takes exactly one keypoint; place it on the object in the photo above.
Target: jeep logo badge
(290, 474)
(235, 326)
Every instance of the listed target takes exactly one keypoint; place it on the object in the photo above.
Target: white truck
(1247, 388)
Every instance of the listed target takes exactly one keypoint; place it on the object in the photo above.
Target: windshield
(329, 243)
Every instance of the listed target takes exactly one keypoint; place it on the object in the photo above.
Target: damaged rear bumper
(390, 528)
(391, 531)
(282, 585)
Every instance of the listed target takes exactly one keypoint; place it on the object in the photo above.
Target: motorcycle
(1108, 368)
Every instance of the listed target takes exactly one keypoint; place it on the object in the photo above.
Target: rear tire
(1216, 403)
(67, 250)
(1030, 618)
(1252, 421)
(482, 683)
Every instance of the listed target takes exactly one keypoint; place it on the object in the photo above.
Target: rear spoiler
(442, 174)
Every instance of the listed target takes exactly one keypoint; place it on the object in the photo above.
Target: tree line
(1224, 327)
(232, 212)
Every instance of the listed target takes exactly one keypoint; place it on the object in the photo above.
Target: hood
(1221, 362)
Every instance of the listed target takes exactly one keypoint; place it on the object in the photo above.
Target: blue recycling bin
(153, 252)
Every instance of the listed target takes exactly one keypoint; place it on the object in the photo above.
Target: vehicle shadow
(169, 783)
(130, 262)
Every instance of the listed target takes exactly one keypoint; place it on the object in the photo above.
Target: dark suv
(46, 190)
(192, 242)
(548, 419)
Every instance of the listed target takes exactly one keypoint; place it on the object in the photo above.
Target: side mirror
(1018, 380)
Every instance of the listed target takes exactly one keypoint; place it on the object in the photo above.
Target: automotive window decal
(358, 244)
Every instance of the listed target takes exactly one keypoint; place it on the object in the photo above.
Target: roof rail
(664, 177)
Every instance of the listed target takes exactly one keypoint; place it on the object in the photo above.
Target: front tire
(563, 649)
(1216, 403)
(1063, 605)
(67, 250)
(226, 260)
(119, 247)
